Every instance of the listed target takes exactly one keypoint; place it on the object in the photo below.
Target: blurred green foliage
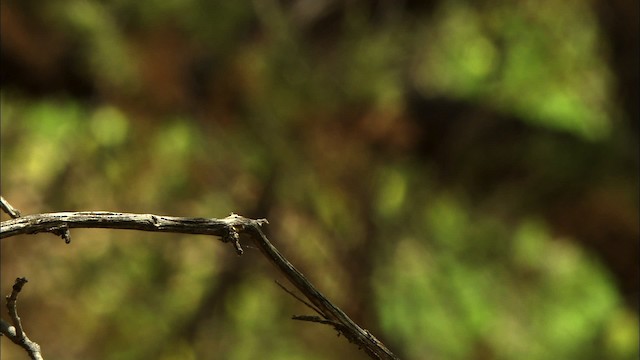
(287, 129)
(518, 58)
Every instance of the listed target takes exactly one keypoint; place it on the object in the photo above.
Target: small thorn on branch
(236, 245)
(233, 237)
(63, 232)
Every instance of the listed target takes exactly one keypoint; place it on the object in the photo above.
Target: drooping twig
(322, 319)
(332, 314)
(16, 332)
(228, 230)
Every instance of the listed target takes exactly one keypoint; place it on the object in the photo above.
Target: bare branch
(229, 230)
(332, 314)
(62, 231)
(13, 309)
(16, 332)
(59, 223)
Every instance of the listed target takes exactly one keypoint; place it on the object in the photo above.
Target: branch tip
(236, 245)
(16, 332)
(7, 208)
(17, 286)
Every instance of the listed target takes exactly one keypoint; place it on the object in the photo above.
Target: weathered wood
(60, 222)
(332, 314)
(228, 230)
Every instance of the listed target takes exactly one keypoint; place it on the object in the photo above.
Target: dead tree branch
(16, 332)
(228, 230)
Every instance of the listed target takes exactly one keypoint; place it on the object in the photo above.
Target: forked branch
(228, 230)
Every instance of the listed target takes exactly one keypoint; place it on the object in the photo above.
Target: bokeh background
(461, 177)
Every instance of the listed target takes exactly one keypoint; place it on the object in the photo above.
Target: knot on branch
(63, 232)
(238, 224)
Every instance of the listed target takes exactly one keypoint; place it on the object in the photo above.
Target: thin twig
(16, 332)
(13, 309)
(300, 299)
(6, 207)
(317, 319)
(352, 331)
